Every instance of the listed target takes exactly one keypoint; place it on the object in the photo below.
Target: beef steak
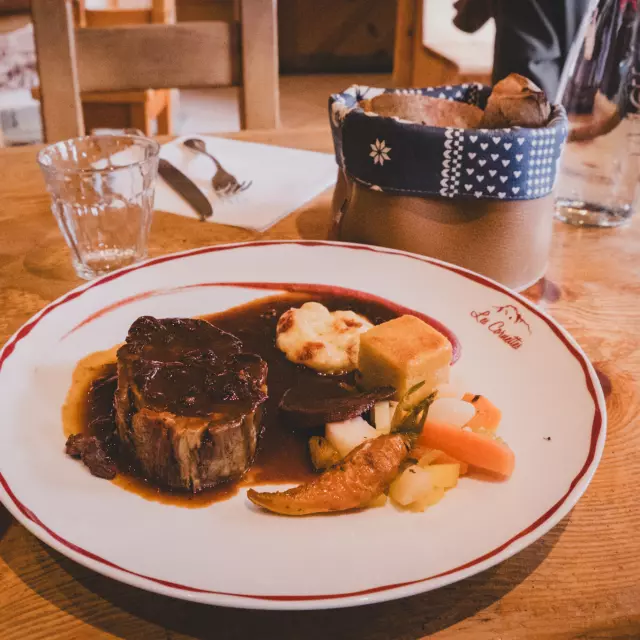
(188, 402)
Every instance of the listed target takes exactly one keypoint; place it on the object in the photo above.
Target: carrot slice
(487, 414)
(477, 449)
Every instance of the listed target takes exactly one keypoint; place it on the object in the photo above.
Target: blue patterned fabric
(397, 156)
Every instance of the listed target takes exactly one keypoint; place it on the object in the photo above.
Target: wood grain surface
(581, 580)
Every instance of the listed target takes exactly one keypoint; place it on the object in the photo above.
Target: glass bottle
(600, 167)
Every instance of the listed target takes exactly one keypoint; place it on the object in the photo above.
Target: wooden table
(581, 580)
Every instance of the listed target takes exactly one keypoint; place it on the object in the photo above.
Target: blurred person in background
(533, 37)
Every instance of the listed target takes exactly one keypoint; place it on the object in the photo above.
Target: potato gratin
(322, 340)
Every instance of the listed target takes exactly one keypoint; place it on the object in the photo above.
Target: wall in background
(320, 36)
(336, 36)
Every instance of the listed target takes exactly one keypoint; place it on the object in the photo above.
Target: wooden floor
(303, 102)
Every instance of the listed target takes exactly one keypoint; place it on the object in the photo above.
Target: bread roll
(434, 112)
(516, 102)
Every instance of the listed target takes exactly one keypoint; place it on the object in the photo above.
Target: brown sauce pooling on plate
(282, 455)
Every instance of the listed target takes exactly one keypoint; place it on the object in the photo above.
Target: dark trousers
(533, 38)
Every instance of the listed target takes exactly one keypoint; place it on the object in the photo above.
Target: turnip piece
(347, 435)
(451, 411)
(382, 417)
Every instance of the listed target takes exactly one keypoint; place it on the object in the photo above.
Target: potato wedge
(411, 485)
(433, 497)
(361, 477)
(444, 475)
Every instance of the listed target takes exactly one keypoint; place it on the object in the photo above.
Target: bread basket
(479, 198)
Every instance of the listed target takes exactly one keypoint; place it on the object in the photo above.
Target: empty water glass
(102, 197)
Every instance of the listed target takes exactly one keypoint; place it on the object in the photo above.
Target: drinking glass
(598, 182)
(101, 191)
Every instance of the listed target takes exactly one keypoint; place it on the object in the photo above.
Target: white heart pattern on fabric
(473, 138)
(477, 194)
(446, 163)
(520, 141)
(447, 154)
(503, 178)
(515, 189)
(494, 156)
(506, 163)
(492, 172)
(517, 174)
(507, 145)
(496, 140)
(519, 157)
(468, 187)
(483, 146)
(482, 162)
(479, 178)
(470, 171)
(502, 194)
(490, 188)
(472, 155)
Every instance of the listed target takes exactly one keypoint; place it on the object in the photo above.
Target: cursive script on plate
(506, 322)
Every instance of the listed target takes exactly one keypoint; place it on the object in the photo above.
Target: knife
(186, 188)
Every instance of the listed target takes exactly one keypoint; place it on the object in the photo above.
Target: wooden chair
(415, 64)
(125, 109)
(153, 56)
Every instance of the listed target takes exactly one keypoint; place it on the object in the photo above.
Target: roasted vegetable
(347, 435)
(409, 416)
(487, 414)
(380, 501)
(433, 497)
(412, 484)
(444, 475)
(323, 453)
(382, 415)
(452, 411)
(325, 400)
(479, 448)
(360, 478)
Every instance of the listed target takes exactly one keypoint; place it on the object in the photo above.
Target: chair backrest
(154, 56)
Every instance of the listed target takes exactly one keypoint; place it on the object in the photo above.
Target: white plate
(234, 555)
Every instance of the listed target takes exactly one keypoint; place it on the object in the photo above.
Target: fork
(224, 184)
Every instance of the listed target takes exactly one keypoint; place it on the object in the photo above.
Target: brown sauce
(282, 455)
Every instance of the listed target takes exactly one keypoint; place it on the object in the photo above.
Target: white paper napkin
(282, 180)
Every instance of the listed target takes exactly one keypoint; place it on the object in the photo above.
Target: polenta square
(401, 353)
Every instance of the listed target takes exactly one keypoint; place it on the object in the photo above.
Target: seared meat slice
(188, 402)
(93, 452)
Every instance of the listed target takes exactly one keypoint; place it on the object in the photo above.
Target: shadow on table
(5, 521)
(419, 615)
